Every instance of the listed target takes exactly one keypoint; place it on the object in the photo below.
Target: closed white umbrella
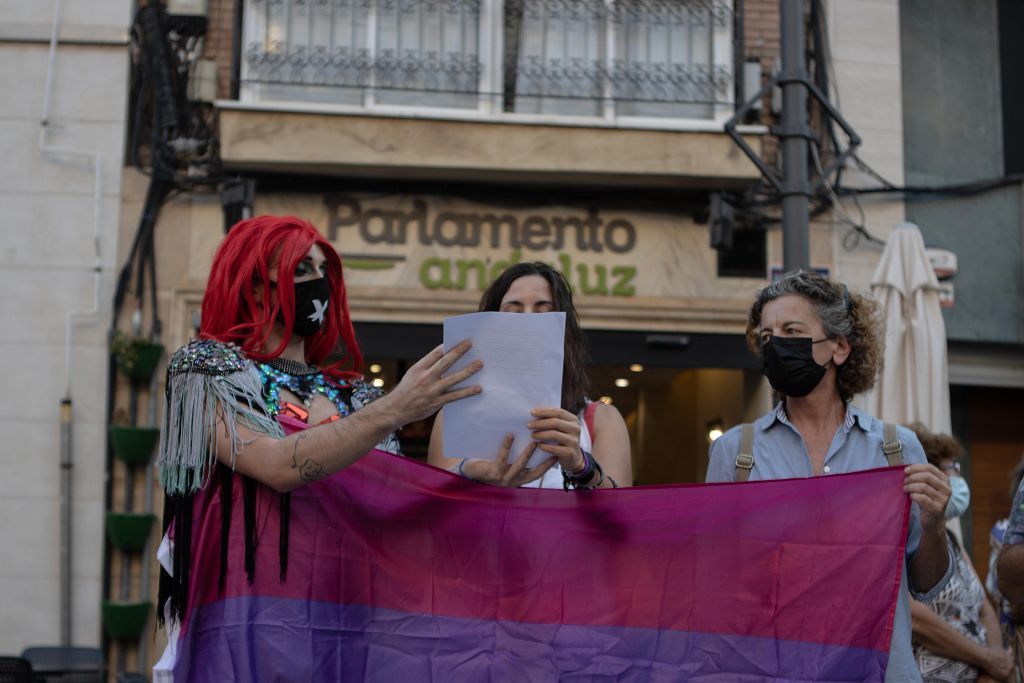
(914, 384)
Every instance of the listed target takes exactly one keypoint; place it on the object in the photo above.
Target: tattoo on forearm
(309, 470)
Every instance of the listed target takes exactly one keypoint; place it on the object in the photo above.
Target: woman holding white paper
(587, 441)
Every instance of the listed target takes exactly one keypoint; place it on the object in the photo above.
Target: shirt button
(827, 469)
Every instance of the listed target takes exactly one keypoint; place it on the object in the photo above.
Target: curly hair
(854, 317)
(575, 382)
(937, 447)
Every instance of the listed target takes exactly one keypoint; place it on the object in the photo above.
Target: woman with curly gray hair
(820, 346)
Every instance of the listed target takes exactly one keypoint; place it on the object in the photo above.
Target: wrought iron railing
(578, 57)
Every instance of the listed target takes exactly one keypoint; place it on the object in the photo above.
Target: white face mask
(959, 499)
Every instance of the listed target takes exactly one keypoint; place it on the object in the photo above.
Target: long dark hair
(575, 383)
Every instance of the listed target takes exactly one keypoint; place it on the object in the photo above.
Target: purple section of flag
(397, 570)
(278, 639)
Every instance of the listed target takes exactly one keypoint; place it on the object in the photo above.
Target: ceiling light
(714, 430)
(636, 367)
(607, 400)
(378, 382)
(375, 368)
(622, 382)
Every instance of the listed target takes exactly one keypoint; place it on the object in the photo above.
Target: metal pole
(794, 134)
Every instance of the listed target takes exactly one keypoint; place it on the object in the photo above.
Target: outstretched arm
(310, 455)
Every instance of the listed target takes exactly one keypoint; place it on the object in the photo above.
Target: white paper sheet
(522, 355)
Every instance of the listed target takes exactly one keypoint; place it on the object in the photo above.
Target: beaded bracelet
(579, 480)
(585, 472)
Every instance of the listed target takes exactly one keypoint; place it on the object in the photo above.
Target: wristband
(579, 481)
(585, 472)
(457, 469)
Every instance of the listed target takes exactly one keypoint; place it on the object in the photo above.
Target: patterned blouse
(959, 603)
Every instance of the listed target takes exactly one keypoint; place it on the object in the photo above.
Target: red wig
(243, 261)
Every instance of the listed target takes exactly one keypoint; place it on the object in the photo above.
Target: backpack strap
(745, 457)
(891, 445)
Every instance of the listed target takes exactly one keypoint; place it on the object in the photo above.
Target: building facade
(962, 109)
(434, 142)
(63, 67)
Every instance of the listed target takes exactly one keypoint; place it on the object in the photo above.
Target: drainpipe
(95, 161)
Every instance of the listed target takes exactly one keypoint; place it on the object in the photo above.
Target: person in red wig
(269, 397)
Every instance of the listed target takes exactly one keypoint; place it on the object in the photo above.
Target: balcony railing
(597, 59)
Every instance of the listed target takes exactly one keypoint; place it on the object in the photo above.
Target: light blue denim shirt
(780, 453)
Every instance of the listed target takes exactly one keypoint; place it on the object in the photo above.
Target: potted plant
(132, 445)
(136, 357)
(129, 531)
(125, 620)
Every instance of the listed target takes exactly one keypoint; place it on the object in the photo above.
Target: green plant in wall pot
(125, 620)
(129, 531)
(132, 445)
(136, 357)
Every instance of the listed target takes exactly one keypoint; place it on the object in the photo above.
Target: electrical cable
(965, 189)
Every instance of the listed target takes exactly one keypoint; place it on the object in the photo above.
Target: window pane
(556, 50)
(424, 52)
(428, 52)
(664, 62)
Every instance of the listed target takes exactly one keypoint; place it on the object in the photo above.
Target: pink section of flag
(810, 561)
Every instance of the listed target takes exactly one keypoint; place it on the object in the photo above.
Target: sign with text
(521, 237)
(616, 258)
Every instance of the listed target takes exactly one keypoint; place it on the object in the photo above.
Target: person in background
(956, 632)
(820, 346)
(1007, 573)
(996, 540)
(587, 441)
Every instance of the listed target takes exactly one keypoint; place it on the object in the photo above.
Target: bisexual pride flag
(401, 572)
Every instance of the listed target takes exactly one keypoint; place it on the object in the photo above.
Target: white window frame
(491, 86)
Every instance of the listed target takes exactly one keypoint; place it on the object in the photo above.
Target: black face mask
(311, 300)
(789, 365)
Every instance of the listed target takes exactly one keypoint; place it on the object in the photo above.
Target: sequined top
(207, 356)
(218, 360)
(345, 395)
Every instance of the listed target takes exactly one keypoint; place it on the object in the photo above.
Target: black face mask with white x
(311, 300)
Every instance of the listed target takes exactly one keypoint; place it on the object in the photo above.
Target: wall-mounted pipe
(95, 161)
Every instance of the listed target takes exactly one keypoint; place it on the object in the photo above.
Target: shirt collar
(854, 416)
(859, 417)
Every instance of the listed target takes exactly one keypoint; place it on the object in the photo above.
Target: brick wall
(761, 31)
(762, 40)
(219, 40)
